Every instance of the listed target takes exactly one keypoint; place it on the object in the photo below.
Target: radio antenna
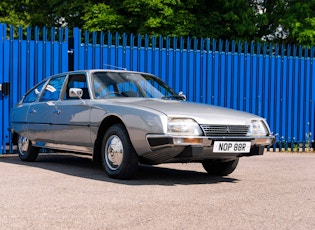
(116, 67)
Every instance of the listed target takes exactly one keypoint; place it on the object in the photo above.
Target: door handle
(33, 111)
(57, 111)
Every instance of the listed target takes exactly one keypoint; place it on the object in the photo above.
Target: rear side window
(53, 89)
(33, 94)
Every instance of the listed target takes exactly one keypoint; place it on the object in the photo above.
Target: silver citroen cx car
(124, 118)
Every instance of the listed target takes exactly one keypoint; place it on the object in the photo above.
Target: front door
(71, 120)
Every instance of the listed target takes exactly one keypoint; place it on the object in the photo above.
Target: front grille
(225, 130)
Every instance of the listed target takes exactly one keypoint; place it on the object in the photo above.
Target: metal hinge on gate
(5, 88)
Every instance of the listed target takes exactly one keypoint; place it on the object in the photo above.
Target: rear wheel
(219, 168)
(119, 158)
(26, 150)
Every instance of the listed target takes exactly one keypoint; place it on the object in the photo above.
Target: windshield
(124, 84)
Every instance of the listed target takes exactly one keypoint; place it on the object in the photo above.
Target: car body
(123, 118)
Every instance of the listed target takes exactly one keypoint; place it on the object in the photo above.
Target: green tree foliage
(299, 22)
(203, 18)
(166, 17)
(284, 21)
(9, 15)
(51, 13)
(234, 19)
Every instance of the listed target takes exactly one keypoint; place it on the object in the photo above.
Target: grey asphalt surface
(63, 191)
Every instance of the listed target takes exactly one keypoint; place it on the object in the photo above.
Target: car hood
(202, 113)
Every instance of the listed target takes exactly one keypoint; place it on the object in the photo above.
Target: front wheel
(119, 158)
(219, 168)
(27, 152)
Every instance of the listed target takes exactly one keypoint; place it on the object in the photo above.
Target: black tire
(26, 150)
(119, 158)
(219, 168)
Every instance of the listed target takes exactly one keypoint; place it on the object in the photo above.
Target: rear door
(40, 113)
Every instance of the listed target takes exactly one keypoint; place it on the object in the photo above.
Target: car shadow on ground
(82, 166)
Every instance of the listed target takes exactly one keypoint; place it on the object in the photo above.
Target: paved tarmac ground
(274, 191)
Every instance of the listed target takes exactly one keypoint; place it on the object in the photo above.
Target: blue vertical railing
(270, 80)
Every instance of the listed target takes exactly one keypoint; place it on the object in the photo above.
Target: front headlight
(183, 127)
(258, 128)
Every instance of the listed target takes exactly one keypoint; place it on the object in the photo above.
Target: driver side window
(77, 81)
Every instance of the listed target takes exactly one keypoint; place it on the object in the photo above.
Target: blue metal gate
(27, 57)
(272, 81)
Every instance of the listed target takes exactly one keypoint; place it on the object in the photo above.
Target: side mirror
(182, 95)
(75, 93)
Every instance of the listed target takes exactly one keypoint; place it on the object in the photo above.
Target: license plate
(231, 147)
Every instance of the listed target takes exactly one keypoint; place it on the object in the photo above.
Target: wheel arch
(105, 124)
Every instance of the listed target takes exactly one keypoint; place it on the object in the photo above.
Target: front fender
(138, 122)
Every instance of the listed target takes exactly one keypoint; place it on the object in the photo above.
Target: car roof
(90, 71)
(101, 70)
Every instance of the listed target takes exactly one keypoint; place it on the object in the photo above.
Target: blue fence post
(161, 61)
(182, 72)
(45, 68)
(76, 48)
(205, 71)
(132, 45)
(2, 79)
(311, 100)
(110, 53)
(213, 77)
(124, 50)
(174, 71)
(228, 76)
(188, 68)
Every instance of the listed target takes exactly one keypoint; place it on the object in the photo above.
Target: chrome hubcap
(114, 152)
(23, 144)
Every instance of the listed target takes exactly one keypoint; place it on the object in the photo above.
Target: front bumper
(166, 149)
(162, 141)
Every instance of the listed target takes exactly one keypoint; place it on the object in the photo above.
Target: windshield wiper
(173, 97)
